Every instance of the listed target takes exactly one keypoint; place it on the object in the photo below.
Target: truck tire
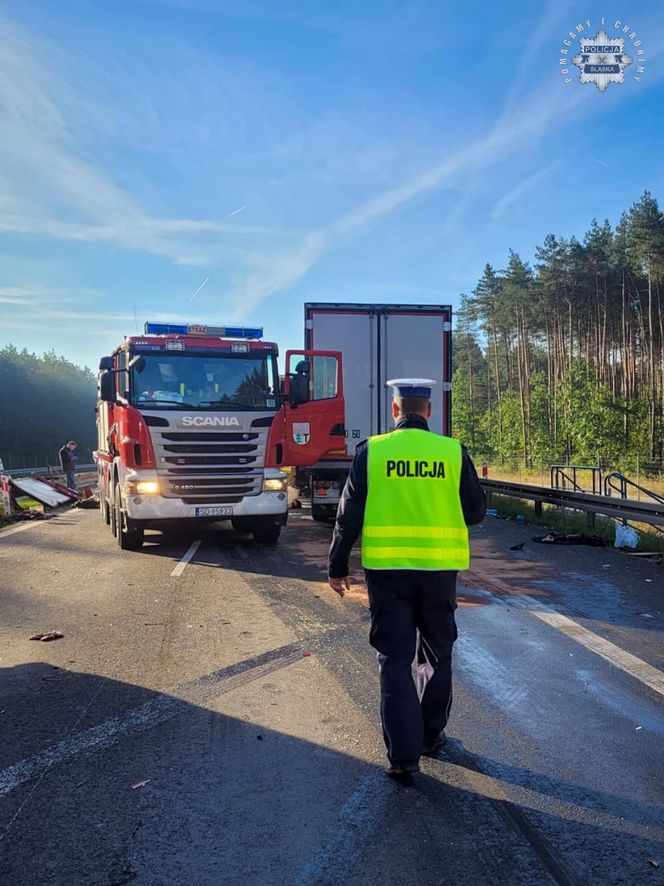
(320, 513)
(241, 525)
(112, 517)
(266, 533)
(130, 533)
(104, 510)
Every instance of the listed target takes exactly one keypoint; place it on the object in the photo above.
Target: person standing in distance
(412, 494)
(68, 463)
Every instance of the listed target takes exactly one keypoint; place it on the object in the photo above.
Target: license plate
(214, 511)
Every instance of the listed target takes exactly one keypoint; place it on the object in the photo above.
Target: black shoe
(435, 744)
(399, 773)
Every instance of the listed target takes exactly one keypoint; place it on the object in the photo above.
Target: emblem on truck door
(301, 432)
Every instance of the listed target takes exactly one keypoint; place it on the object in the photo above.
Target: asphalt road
(220, 725)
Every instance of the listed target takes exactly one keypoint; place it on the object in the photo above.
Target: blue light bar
(200, 329)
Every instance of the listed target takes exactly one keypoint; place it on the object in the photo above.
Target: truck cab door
(310, 424)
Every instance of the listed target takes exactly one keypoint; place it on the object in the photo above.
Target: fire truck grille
(210, 467)
(208, 437)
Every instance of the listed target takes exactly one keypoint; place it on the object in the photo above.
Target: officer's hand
(340, 585)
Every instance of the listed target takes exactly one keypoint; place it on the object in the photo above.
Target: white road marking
(357, 818)
(179, 569)
(150, 713)
(31, 525)
(618, 657)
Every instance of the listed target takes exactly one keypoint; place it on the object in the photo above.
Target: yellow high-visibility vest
(413, 517)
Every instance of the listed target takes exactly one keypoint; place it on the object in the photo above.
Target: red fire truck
(194, 425)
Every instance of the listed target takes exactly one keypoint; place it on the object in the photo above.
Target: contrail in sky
(199, 289)
(236, 211)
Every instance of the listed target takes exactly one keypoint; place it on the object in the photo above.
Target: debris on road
(40, 491)
(89, 503)
(46, 636)
(569, 538)
(626, 537)
(141, 784)
(653, 862)
(259, 737)
(518, 547)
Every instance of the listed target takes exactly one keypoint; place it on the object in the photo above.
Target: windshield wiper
(174, 403)
(227, 401)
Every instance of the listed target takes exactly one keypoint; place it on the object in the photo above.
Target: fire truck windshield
(207, 382)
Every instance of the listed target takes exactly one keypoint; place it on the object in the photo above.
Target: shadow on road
(105, 782)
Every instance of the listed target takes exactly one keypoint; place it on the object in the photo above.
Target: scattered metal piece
(46, 636)
(141, 784)
(569, 538)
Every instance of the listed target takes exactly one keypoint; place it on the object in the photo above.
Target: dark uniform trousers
(403, 601)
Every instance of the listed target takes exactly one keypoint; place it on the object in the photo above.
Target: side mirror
(105, 363)
(107, 387)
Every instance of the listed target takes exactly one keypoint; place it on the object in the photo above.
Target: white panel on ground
(40, 491)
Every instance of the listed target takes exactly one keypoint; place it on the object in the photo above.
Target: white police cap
(412, 387)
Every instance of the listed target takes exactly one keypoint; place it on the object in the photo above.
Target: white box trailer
(378, 342)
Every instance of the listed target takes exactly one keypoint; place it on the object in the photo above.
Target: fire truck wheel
(240, 526)
(266, 533)
(320, 513)
(104, 510)
(112, 513)
(130, 534)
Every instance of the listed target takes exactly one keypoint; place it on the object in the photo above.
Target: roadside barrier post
(6, 488)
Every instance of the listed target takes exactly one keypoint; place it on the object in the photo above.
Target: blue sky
(296, 151)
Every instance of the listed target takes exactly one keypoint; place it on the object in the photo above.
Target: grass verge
(566, 520)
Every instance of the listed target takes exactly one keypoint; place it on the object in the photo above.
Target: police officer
(412, 493)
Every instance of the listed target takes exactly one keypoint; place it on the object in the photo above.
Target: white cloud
(512, 197)
(51, 186)
(528, 122)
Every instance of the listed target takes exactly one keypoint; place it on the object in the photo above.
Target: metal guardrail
(566, 476)
(28, 472)
(620, 509)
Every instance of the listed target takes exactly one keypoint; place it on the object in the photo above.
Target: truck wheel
(130, 533)
(319, 513)
(240, 525)
(112, 517)
(266, 533)
(104, 510)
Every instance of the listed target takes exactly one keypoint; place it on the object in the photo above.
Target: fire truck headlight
(147, 487)
(275, 485)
